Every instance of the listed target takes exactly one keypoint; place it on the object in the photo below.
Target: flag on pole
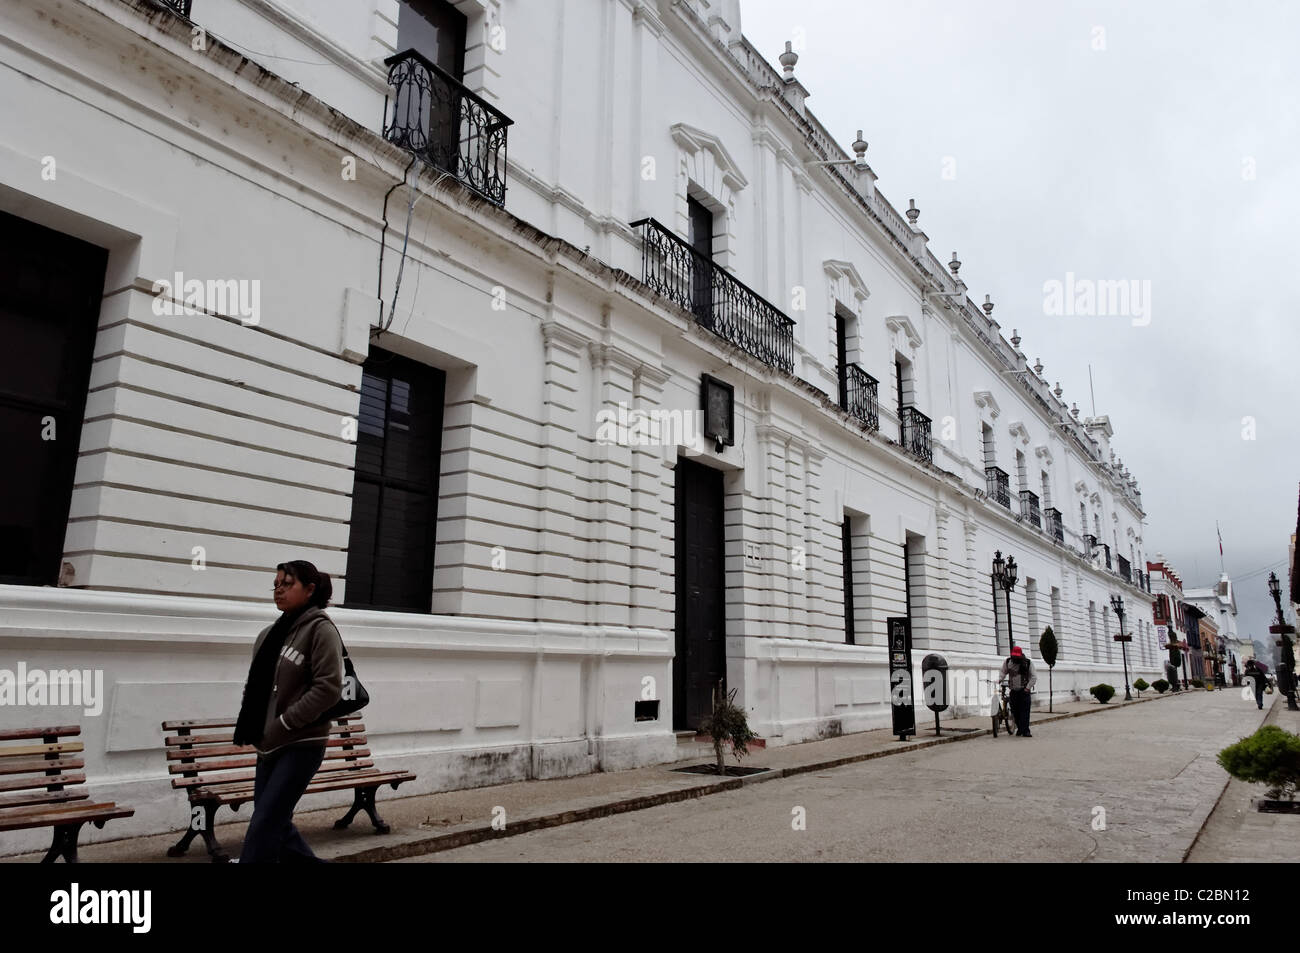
(1216, 529)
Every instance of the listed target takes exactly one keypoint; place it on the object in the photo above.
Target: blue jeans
(281, 779)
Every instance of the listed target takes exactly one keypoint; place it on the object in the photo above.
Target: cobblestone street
(1134, 784)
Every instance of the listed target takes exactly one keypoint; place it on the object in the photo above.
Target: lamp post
(1004, 576)
(1117, 604)
(1288, 655)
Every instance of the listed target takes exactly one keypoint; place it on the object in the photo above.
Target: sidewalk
(432, 822)
(1235, 832)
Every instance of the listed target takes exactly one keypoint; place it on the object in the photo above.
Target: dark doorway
(436, 30)
(50, 289)
(700, 662)
(701, 221)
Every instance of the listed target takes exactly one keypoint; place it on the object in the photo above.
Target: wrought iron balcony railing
(1106, 547)
(1052, 524)
(719, 301)
(446, 125)
(180, 7)
(1089, 546)
(862, 396)
(999, 486)
(1029, 508)
(915, 432)
(1125, 569)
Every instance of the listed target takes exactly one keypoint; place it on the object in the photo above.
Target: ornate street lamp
(1285, 677)
(1004, 576)
(1117, 604)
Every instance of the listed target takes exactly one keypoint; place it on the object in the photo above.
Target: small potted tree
(1140, 686)
(1270, 756)
(1160, 685)
(1047, 652)
(727, 723)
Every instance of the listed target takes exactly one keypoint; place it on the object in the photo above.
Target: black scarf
(261, 679)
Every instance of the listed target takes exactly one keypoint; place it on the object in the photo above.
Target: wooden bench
(212, 770)
(46, 777)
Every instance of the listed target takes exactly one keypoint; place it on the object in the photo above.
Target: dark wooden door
(700, 662)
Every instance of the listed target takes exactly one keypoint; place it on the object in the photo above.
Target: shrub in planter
(1102, 692)
(1141, 685)
(1270, 756)
(725, 723)
(1160, 685)
(1197, 683)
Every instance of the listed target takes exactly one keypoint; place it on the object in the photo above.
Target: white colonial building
(276, 288)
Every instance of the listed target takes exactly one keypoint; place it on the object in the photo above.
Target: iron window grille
(999, 486)
(1029, 507)
(1125, 569)
(720, 302)
(446, 125)
(916, 434)
(1052, 524)
(863, 392)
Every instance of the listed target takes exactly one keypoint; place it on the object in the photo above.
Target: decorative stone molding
(985, 402)
(707, 172)
(1080, 487)
(1017, 429)
(846, 285)
(1044, 452)
(901, 326)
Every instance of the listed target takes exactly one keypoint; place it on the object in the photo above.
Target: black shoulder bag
(354, 697)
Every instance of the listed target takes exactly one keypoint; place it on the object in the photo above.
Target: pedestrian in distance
(295, 678)
(1018, 671)
(1257, 672)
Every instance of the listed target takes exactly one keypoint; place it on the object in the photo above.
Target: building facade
(562, 334)
(1219, 603)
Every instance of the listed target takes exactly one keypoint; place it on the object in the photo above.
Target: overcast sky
(1153, 141)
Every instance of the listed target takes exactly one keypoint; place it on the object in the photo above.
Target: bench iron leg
(63, 844)
(208, 832)
(363, 799)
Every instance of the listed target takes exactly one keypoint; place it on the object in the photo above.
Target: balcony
(1052, 524)
(1089, 546)
(450, 128)
(916, 434)
(999, 486)
(720, 303)
(862, 396)
(1106, 547)
(179, 7)
(1029, 508)
(1125, 570)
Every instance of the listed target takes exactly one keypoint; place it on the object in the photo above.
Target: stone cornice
(694, 140)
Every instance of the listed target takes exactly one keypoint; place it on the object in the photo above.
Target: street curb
(450, 841)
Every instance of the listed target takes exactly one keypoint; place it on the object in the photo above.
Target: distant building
(1219, 603)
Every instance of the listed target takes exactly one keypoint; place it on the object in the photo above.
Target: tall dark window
(701, 239)
(842, 359)
(435, 30)
(50, 289)
(846, 548)
(395, 493)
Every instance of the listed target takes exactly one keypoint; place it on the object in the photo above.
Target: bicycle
(1002, 711)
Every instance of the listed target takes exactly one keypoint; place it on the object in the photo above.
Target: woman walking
(296, 677)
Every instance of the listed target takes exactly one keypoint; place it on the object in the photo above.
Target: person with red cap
(1018, 672)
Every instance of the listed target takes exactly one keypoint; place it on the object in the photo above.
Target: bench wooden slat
(40, 764)
(184, 723)
(230, 786)
(377, 779)
(43, 797)
(28, 781)
(250, 760)
(21, 818)
(228, 737)
(14, 734)
(225, 751)
(248, 775)
(26, 751)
